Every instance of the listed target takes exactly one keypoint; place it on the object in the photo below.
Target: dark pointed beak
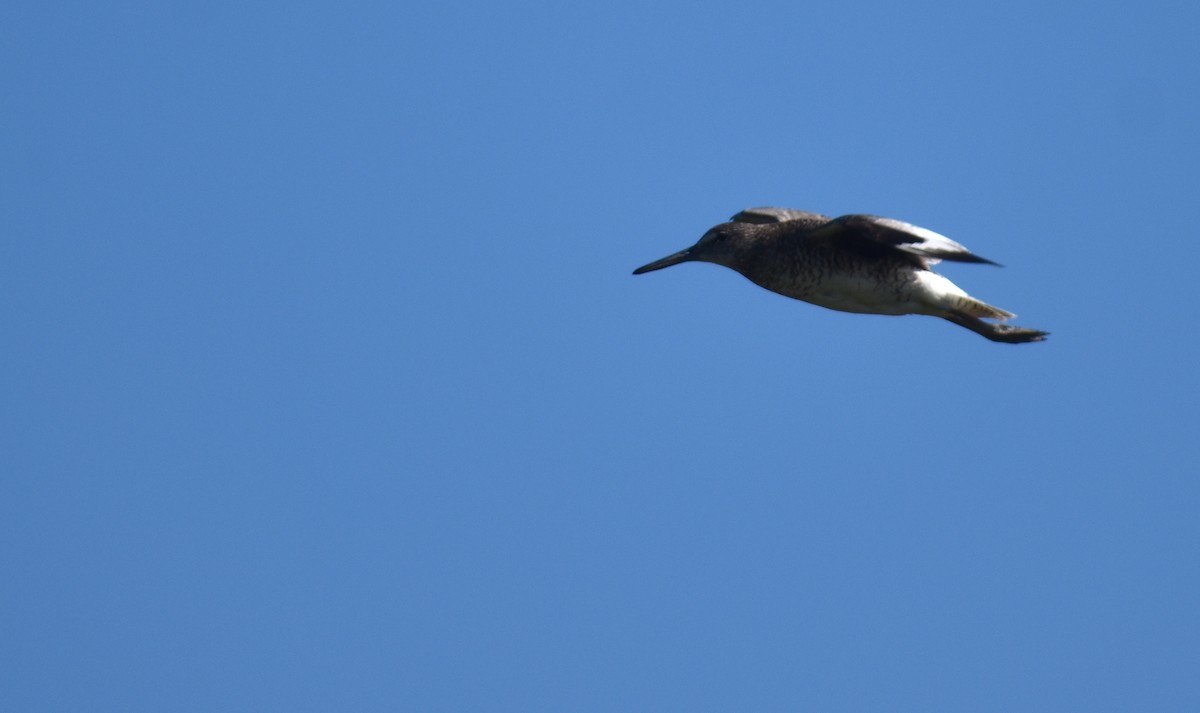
(681, 256)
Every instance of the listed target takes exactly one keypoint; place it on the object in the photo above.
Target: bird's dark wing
(769, 214)
(902, 236)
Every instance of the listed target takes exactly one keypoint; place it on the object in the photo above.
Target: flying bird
(855, 263)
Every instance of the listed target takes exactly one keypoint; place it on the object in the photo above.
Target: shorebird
(855, 263)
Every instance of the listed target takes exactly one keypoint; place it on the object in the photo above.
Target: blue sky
(327, 385)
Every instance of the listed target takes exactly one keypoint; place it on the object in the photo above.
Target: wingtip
(968, 257)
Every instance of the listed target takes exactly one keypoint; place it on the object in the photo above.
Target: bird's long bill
(681, 256)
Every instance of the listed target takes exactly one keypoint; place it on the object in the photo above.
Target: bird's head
(722, 244)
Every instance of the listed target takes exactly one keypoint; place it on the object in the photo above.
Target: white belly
(925, 293)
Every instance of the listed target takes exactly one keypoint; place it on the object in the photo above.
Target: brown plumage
(855, 263)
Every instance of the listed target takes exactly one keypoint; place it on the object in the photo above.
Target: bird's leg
(996, 332)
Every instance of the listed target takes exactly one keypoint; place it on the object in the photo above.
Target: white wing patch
(929, 243)
(914, 239)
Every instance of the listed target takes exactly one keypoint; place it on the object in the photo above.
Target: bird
(855, 263)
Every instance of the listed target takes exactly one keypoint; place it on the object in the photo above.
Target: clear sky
(327, 386)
